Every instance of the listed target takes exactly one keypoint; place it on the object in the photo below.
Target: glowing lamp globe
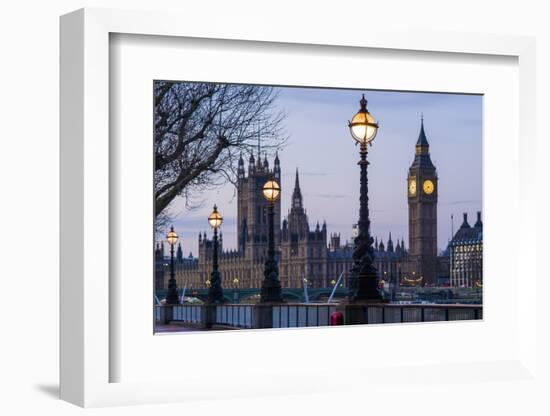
(215, 219)
(271, 190)
(172, 237)
(363, 127)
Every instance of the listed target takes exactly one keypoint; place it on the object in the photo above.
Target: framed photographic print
(220, 158)
(300, 211)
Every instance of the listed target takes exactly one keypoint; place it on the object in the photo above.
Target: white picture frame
(86, 291)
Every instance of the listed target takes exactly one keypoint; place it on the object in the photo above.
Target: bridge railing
(299, 315)
(240, 316)
(302, 315)
(399, 313)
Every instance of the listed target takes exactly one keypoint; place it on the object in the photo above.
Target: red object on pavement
(336, 318)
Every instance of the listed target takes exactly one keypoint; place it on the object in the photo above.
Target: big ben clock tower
(422, 190)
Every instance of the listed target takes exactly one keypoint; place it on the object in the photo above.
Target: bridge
(296, 295)
(243, 295)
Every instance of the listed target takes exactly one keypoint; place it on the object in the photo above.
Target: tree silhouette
(200, 131)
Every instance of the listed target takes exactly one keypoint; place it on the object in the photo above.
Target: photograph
(292, 206)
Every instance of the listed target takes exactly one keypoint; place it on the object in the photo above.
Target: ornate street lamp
(215, 291)
(172, 295)
(363, 279)
(271, 286)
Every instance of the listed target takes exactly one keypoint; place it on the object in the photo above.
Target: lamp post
(271, 286)
(215, 291)
(363, 275)
(172, 295)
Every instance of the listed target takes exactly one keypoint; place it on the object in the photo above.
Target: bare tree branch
(202, 128)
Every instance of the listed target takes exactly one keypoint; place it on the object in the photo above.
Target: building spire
(297, 193)
(240, 169)
(465, 221)
(259, 161)
(479, 223)
(390, 244)
(422, 141)
(277, 167)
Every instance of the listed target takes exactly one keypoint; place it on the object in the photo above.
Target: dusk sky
(322, 148)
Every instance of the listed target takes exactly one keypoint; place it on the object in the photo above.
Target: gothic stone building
(305, 253)
(466, 254)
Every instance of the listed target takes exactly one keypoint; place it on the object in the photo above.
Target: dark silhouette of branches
(200, 131)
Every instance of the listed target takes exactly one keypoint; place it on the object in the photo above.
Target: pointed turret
(266, 163)
(422, 140)
(259, 161)
(251, 167)
(179, 254)
(390, 244)
(376, 243)
(381, 246)
(297, 193)
(157, 252)
(240, 170)
(465, 221)
(277, 167)
(479, 223)
(422, 159)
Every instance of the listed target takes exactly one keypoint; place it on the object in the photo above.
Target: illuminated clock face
(412, 187)
(428, 186)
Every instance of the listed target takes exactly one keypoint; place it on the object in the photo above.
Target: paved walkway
(175, 328)
(162, 328)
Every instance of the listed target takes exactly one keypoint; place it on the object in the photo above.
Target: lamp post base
(271, 291)
(356, 312)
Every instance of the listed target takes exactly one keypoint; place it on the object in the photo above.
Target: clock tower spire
(422, 192)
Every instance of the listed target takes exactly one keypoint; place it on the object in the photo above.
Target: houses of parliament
(310, 253)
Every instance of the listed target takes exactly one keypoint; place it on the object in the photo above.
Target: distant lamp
(215, 291)
(172, 237)
(271, 190)
(215, 219)
(363, 126)
(271, 286)
(333, 282)
(172, 297)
